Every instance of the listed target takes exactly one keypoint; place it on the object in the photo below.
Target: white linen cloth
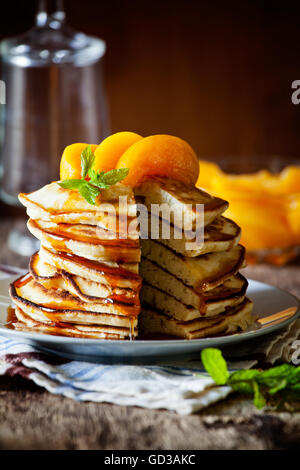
(181, 387)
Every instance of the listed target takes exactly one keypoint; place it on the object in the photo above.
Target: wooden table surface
(32, 418)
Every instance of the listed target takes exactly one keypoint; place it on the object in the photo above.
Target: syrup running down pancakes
(94, 277)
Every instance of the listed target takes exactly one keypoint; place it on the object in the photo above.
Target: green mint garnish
(282, 381)
(87, 161)
(90, 188)
(215, 365)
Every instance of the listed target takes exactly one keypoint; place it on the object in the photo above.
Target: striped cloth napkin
(181, 387)
(175, 388)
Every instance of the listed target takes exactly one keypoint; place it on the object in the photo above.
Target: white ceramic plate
(268, 302)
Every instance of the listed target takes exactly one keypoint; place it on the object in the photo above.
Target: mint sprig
(215, 365)
(87, 159)
(91, 182)
(279, 382)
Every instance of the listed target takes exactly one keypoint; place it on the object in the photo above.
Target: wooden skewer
(283, 314)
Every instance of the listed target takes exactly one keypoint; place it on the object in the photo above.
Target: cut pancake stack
(198, 292)
(84, 280)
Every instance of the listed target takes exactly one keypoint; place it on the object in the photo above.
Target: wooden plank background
(216, 73)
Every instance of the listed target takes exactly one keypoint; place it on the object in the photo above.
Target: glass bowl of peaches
(264, 197)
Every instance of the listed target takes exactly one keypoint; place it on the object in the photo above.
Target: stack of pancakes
(192, 292)
(84, 280)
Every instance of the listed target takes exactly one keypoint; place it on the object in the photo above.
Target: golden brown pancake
(53, 306)
(176, 309)
(120, 275)
(233, 320)
(204, 272)
(59, 202)
(186, 304)
(26, 323)
(221, 235)
(87, 290)
(82, 240)
(180, 198)
(84, 281)
(158, 277)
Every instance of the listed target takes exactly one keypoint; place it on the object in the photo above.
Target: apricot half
(112, 148)
(160, 155)
(70, 163)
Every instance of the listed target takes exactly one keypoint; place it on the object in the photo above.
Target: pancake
(89, 234)
(84, 281)
(155, 276)
(26, 323)
(231, 293)
(174, 308)
(50, 305)
(117, 275)
(204, 272)
(122, 226)
(235, 319)
(180, 199)
(221, 235)
(86, 290)
(55, 201)
(82, 240)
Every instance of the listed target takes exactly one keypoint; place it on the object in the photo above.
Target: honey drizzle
(121, 298)
(132, 310)
(50, 310)
(23, 280)
(59, 233)
(112, 274)
(54, 212)
(57, 326)
(131, 329)
(11, 318)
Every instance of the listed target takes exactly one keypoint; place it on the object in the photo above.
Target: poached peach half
(160, 155)
(70, 163)
(112, 148)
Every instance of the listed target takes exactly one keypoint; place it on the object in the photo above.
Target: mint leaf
(89, 193)
(87, 161)
(241, 380)
(259, 400)
(277, 387)
(105, 180)
(72, 184)
(97, 179)
(90, 190)
(86, 190)
(215, 365)
(114, 176)
(244, 388)
(294, 376)
(278, 371)
(243, 375)
(275, 377)
(281, 381)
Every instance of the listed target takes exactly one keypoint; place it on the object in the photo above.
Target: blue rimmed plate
(273, 307)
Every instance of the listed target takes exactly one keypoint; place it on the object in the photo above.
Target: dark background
(216, 73)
